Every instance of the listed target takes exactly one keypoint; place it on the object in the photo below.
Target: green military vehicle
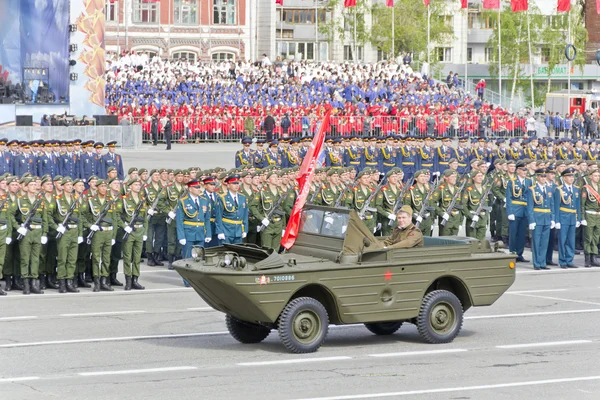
(338, 273)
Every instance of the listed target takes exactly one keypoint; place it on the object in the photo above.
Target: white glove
(8, 240)
(511, 217)
(221, 236)
(171, 215)
(419, 218)
(61, 228)
(128, 229)
(182, 242)
(445, 217)
(577, 224)
(151, 212)
(206, 240)
(265, 222)
(244, 234)
(95, 228)
(378, 227)
(552, 224)
(532, 226)
(374, 229)
(391, 217)
(112, 242)
(44, 239)
(144, 238)
(557, 225)
(329, 220)
(79, 239)
(584, 222)
(476, 218)
(22, 230)
(282, 233)
(344, 228)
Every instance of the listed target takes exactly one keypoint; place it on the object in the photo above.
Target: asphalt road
(540, 340)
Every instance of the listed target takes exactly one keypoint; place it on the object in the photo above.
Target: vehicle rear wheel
(384, 328)
(440, 318)
(303, 325)
(246, 332)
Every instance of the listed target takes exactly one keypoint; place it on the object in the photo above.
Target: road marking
(92, 294)
(111, 339)
(293, 361)
(537, 291)
(20, 379)
(543, 344)
(556, 271)
(201, 309)
(534, 314)
(458, 389)
(137, 371)
(559, 299)
(418, 353)
(22, 318)
(95, 314)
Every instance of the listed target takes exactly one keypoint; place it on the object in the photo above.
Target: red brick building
(592, 22)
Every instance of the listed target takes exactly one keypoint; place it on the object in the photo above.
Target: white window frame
(183, 9)
(227, 8)
(111, 11)
(177, 55)
(489, 54)
(152, 10)
(223, 56)
(444, 54)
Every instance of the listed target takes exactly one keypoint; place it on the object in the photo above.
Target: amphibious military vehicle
(338, 273)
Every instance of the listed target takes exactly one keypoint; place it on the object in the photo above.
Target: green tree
(342, 26)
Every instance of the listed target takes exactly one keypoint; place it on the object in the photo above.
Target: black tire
(246, 332)
(384, 328)
(303, 325)
(440, 318)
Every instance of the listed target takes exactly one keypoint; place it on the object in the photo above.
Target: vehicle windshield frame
(319, 226)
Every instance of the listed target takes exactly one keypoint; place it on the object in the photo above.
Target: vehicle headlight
(195, 254)
(227, 260)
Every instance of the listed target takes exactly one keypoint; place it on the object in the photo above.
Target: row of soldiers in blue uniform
(73, 158)
(413, 153)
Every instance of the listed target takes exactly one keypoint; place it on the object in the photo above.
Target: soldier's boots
(594, 260)
(70, 287)
(8, 279)
(157, 259)
(17, 283)
(42, 282)
(51, 282)
(62, 288)
(81, 281)
(104, 284)
(26, 286)
(151, 262)
(2, 292)
(135, 285)
(96, 284)
(170, 265)
(127, 283)
(35, 286)
(114, 281)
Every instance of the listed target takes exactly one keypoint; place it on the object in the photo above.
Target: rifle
(67, 216)
(101, 216)
(314, 195)
(31, 215)
(453, 202)
(154, 203)
(134, 217)
(338, 201)
(425, 206)
(273, 211)
(399, 201)
(181, 196)
(365, 207)
(481, 207)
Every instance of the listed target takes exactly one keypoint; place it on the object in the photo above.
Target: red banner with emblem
(305, 177)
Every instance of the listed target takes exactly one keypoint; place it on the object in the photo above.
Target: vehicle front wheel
(384, 328)
(246, 332)
(440, 318)
(303, 325)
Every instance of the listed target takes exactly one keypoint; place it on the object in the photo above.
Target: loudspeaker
(24, 120)
(106, 120)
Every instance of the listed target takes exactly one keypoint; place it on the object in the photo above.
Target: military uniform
(590, 211)
(441, 199)
(12, 259)
(567, 211)
(193, 222)
(132, 245)
(499, 185)
(353, 157)
(516, 210)
(173, 193)
(157, 224)
(540, 211)
(355, 200)
(102, 240)
(234, 217)
(471, 200)
(49, 251)
(261, 205)
(252, 235)
(31, 244)
(384, 202)
(415, 198)
(7, 223)
(68, 243)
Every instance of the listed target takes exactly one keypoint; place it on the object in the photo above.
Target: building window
(349, 52)
(469, 54)
(285, 34)
(111, 11)
(185, 12)
(150, 53)
(307, 50)
(302, 50)
(301, 16)
(380, 55)
(144, 12)
(489, 54)
(444, 54)
(185, 56)
(223, 56)
(545, 53)
(224, 12)
(446, 20)
(473, 20)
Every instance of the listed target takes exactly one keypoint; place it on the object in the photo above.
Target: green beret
(67, 179)
(154, 171)
(12, 179)
(132, 181)
(76, 181)
(46, 179)
(364, 172)
(244, 173)
(132, 170)
(101, 182)
(333, 171)
(26, 181)
(223, 175)
(26, 175)
(58, 178)
(142, 170)
(421, 172)
(177, 172)
(449, 172)
(186, 172)
(110, 169)
(109, 181)
(271, 172)
(91, 178)
(452, 160)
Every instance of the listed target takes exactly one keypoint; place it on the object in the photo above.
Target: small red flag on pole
(305, 177)
(491, 4)
(426, 2)
(519, 5)
(464, 3)
(389, 3)
(349, 3)
(564, 6)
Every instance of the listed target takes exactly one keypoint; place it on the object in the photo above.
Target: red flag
(464, 3)
(598, 6)
(564, 5)
(305, 177)
(279, 2)
(518, 5)
(349, 3)
(426, 2)
(389, 3)
(491, 4)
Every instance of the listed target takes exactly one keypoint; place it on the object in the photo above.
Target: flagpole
(466, 49)
(569, 61)
(118, 12)
(500, 52)
(393, 30)
(530, 63)
(355, 48)
(126, 25)
(428, 37)
(316, 52)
